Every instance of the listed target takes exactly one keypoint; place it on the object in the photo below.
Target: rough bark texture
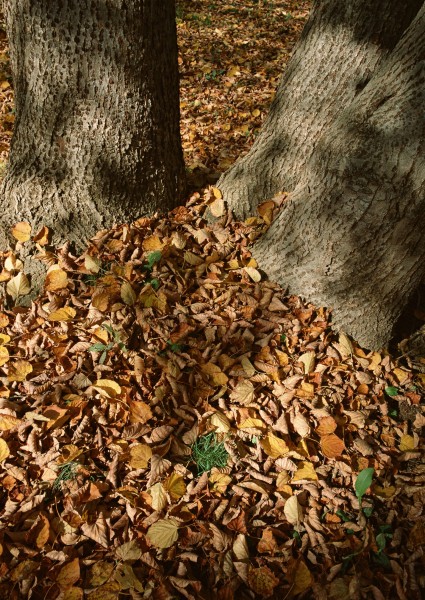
(346, 138)
(96, 137)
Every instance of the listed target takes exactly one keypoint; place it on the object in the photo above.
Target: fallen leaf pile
(231, 58)
(166, 331)
(172, 425)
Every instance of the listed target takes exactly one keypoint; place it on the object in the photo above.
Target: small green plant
(67, 472)
(208, 452)
(152, 259)
(105, 348)
(363, 483)
(214, 74)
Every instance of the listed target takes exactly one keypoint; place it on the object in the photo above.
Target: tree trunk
(346, 137)
(96, 137)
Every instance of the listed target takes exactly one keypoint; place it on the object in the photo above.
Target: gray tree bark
(346, 138)
(96, 137)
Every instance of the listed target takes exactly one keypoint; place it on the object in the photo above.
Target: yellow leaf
(305, 471)
(293, 511)
(175, 486)
(407, 442)
(253, 274)
(247, 366)
(128, 295)
(140, 455)
(344, 346)
(214, 374)
(108, 387)
(274, 446)
(41, 533)
(4, 320)
(56, 279)
(401, 375)
(308, 359)
(252, 423)
(62, 314)
(4, 338)
(163, 533)
(21, 231)
(217, 207)
(8, 422)
(384, 492)
(302, 579)
(232, 71)
(220, 422)
(217, 193)
(4, 355)
(4, 450)
(69, 574)
(256, 112)
(152, 243)
(19, 370)
(159, 497)
(18, 286)
(13, 264)
(70, 452)
(92, 263)
(219, 481)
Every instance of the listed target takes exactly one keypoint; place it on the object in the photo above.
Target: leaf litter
(165, 337)
(201, 435)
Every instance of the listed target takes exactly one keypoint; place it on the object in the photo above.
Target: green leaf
(343, 516)
(363, 483)
(391, 391)
(381, 541)
(153, 258)
(154, 283)
(102, 357)
(98, 347)
(368, 510)
(108, 328)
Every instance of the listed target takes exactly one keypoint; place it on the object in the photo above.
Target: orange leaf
(140, 412)
(326, 425)
(332, 446)
(42, 237)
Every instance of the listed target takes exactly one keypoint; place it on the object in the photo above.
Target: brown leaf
(262, 581)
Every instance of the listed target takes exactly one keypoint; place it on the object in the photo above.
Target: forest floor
(172, 424)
